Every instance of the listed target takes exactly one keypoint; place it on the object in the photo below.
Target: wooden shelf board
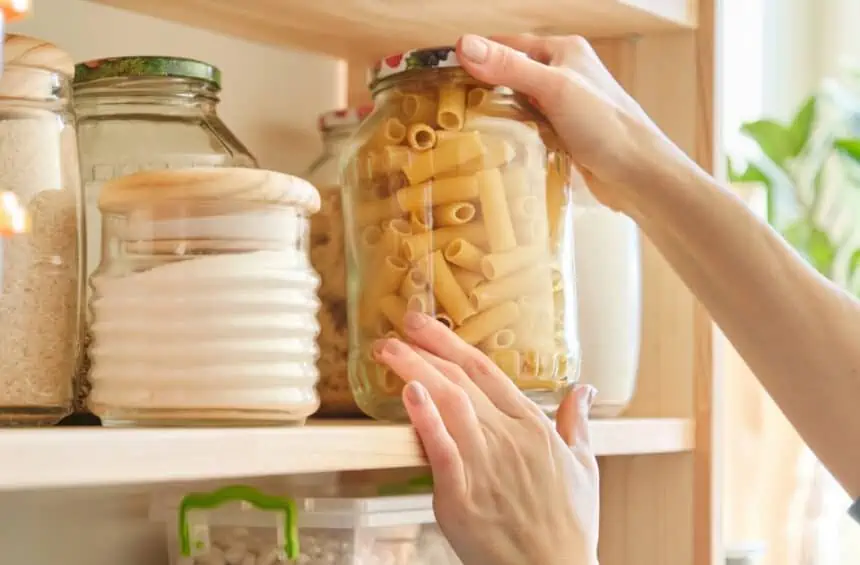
(78, 457)
(363, 30)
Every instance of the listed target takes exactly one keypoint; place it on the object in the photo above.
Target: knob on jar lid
(413, 60)
(207, 184)
(146, 66)
(24, 51)
(347, 117)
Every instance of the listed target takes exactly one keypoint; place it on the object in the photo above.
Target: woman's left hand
(509, 487)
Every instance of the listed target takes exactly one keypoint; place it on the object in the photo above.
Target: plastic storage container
(40, 263)
(240, 525)
(609, 284)
(328, 258)
(459, 205)
(146, 113)
(204, 305)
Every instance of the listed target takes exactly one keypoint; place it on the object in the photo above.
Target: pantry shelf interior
(81, 457)
(360, 30)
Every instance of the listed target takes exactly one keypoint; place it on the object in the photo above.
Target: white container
(204, 305)
(382, 530)
(609, 284)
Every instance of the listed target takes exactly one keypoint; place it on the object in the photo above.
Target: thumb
(498, 64)
(572, 415)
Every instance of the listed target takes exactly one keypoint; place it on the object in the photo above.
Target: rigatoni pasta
(465, 219)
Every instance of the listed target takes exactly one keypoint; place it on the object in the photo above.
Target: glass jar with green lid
(145, 113)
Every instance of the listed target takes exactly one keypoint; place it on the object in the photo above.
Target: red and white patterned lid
(347, 117)
(413, 60)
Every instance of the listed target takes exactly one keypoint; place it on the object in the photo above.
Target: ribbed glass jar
(204, 305)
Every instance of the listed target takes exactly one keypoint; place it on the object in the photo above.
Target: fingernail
(392, 346)
(378, 346)
(415, 320)
(475, 48)
(585, 397)
(415, 393)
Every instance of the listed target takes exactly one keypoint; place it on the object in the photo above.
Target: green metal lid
(146, 66)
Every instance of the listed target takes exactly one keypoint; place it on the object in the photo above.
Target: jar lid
(207, 183)
(27, 51)
(146, 66)
(343, 118)
(414, 60)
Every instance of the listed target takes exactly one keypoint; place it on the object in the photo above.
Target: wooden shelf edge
(88, 457)
(368, 30)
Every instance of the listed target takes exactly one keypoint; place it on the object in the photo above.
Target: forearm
(798, 333)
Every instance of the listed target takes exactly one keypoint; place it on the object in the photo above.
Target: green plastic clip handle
(240, 493)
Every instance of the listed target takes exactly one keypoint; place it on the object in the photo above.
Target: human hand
(607, 134)
(508, 487)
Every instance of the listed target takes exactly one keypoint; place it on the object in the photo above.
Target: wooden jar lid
(149, 188)
(32, 52)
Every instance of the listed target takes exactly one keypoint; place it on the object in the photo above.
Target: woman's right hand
(605, 131)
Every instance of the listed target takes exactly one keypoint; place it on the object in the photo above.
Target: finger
(572, 416)
(499, 64)
(431, 335)
(439, 446)
(458, 376)
(455, 407)
(541, 49)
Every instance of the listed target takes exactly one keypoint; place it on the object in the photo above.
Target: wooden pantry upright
(660, 495)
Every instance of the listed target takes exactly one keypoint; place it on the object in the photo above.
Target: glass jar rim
(146, 66)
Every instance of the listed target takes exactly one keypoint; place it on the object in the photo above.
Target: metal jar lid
(146, 66)
(413, 60)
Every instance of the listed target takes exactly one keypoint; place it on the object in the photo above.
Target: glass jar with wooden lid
(204, 304)
(458, 204)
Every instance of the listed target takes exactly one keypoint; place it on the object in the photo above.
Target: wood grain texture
(664, 510)
(354, 29)
(81, 457)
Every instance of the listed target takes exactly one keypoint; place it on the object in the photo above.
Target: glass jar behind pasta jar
(328, 258)
(458, 204)
(204, 305)
(146, 113)
(40, 262)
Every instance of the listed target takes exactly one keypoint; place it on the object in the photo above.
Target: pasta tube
(420, 244)
(445, 157)
(437, 192)
(463, 254)
(494, 207)
(391, 132)
(454, 214)
(393, 234)
(448, 293)
(467, 280)
(418, 108)
(478, 98)
(391, 159)
(415, 282)
(497, 153)
(484, 324)
(393, 307)
(421, 221)
(419, 303)
(445, 320)
(451, 112)
(375, 211)
(497, 265)
(508, 360)
(502, 339)
(420, 137)
(488, 294)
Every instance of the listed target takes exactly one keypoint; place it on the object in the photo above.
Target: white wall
(271, 97)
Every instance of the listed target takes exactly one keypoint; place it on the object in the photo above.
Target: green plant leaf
(774, 140)
(821, 252)
(801, 127)
(849, 148)
(754, 174)
(797, 234)
(854, 265)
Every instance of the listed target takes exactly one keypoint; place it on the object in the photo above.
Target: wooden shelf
(362, 30)
(78, 457)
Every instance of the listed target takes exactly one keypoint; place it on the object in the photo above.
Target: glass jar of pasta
(327, 257)
(458, 204)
